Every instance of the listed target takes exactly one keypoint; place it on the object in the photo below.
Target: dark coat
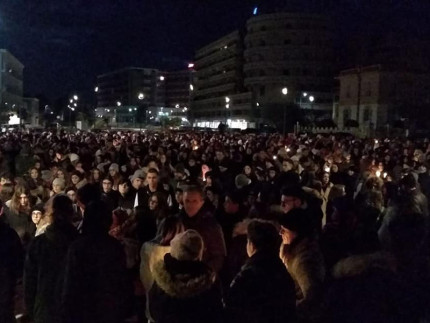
(44, 270)
(96, 287)
(11, 255)
(205, 223)
(22, 224)
(368, 288)
(263, 291)
(184, 292)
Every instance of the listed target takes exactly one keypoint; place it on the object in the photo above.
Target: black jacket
(96, 287)
(263, 291)
(44, 270)
(184, 292)
(11, 255)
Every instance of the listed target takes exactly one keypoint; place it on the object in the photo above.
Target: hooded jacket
(44, 272)
(184, 292)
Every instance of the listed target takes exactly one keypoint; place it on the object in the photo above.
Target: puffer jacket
(184, 292)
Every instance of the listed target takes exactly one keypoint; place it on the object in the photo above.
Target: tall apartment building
(179, 86)
(11, 82)
(292, 50)
(219, 95)
(120, 93)
(247, 74)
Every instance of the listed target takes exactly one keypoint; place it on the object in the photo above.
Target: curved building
(293, 50)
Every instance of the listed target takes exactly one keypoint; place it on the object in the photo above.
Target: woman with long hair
(18, 214)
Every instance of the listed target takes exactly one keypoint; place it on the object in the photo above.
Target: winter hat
(241, 181)
(73, 157)
(187, 245)
(296, 220)
(38, 207)
(114, 167)
(137, 174)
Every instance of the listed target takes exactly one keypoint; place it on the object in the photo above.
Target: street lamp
(141, 96)
(227, 106)
(285, 92)
(75, 97)
(96, 89)
(191, 87)
(118, 103)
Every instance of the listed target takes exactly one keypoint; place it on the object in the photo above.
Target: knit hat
(187, 245)
(38, 207)
(137, 174)
(73, 157)
(114, 167)
(241, 181)
(296, 220)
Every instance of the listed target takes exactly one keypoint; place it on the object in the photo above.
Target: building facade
(179, 87)
(291, 50)
(376, 96)
(31, 105)
(11, 83)
(219, 94)
(239, 78)
(123, 93)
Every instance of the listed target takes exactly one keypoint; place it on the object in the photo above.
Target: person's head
(241, 181)
(156, 201)
(6, 178)
(334, 168)
(153, 164)
(287, 165)
(187, 246)
(7, 191)
(137, 179)
(123, 186)
(34, 173)
(247, 170)
(169, 228)
(87, 194)
(37, 213)
(76, 177)
(408, 183)
(292, 198)
(97, 219)
(232, 203)
(60, 174)
(113, 170)
(62, 209)
(179, 172)
(152, 177)
(179, 195)
(58, 185)
(95, 174)
(71, 194)
(193, 200)
(294, 224)
(262, 237)
(219, 155)
(211, 193)
(325, 178)
(107, 184)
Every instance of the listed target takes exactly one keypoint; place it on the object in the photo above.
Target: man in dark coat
(198, 215)
(44, 265)
(96, 287)
(11, 255)
(263, 291)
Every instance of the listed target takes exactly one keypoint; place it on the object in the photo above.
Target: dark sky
(64, 44)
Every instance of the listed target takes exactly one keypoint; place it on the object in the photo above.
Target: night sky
(65, 44)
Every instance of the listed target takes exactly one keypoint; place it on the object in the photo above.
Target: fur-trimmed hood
(183, 285)
(358, 265)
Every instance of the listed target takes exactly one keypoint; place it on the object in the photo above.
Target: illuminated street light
(75, 97)
(96, 89)
(258, 104)
(284, 91)
(118, 103)
(129, 110)
(71, 100)
(191, 87)
(227, 106)
(311, 98)
(161, 78)
(190, 65)
(75, 104)
(305, 94)
(177, 106)
(141, 96)
(227, 99)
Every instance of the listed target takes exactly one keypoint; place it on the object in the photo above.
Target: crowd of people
(213, 227)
